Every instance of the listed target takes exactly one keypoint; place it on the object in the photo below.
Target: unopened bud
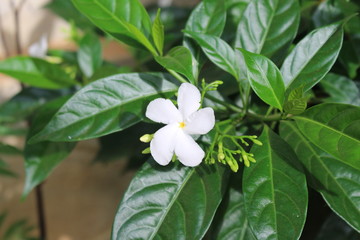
(146, 138)
(257, 142)
(221, 156)
(146, 151)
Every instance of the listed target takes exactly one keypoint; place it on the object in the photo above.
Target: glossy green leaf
(335, 128)
(23, 104)
(126, 20)
(36, 72)
(218, 51)
(335, 228)
(174, 201)
(340, 89)
(337, 182)
(275, 190)
(107, 105)
(208, 17)
(89, 54)
(158, 33)
(295, 103)
(42, 158)
(268, 27)
(312, 57)
(265, 79)
(178, 59)
(234, 224)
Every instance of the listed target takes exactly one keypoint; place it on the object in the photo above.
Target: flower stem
(177, 76)
(270, 118)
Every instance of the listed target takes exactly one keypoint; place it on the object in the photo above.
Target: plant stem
(261, 118)
(228, 105)
(177, 76)
(40, 211)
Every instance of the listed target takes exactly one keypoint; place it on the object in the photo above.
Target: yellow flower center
(181, 125)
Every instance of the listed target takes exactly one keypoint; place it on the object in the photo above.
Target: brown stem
(17, 10)
(40, 211)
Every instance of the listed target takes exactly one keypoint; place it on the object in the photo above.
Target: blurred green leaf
(107, 105)
(9, 150)
(275, 191)
(36, 72)
(268, 27)
(335, 228)
(5, 171)
(335, 128)
(312, 57)
(20, 230)
(89, 55)
(265, 79)
(158, 33)
(167, 201)
(126, 20)
(340, 89)
(179, 60)
(326, 13)
(349, 58)
(337, 182)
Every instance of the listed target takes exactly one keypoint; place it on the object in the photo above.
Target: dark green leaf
(275, 190)
(178, 59)
(218, 51)
(9, 150)
(25, 103)
(265, 79)
(126, 20)
(326, 13)
(337, 182)
(174, 201)
(341, 89)
(335, 228)
(234, 224)
(105, 106)
(295, 103)
(15, 131)
(208, 17)
(349, 58)
(5, 171)
(268, 27)
(312, 57)
(42, 158)
(89, 54)
(335, 128)
(108, 70)
(158, 33)
(36, 72)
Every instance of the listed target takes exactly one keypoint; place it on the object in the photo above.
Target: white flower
(39, 48)
(175, 136)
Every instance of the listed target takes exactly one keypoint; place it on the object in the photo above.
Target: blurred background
(81, 195)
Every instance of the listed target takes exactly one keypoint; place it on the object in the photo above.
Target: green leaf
(158, 33)
(335, 228)
(295, 103)
(9, 150)
(5, 171)
(337, 182)
(265, 79)
(341, 89)
(234, 224)
(268, 27)
(326, 13)
(208, 17)
(349, 58)
(275, 190)
(178, 59)
(42, 158)
(36, 72)
(107, 105)
(126, 20)
(335, 128)
(167, 201)
(218, 51)
(89, 54)
(23, 104)
(312, 57)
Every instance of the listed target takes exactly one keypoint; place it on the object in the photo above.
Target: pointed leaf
(158, 33)
(337, 182)
(89, 54)
(107, 105)
(179, 60)
(167, 201)
(126, 20)
(275, 190)
(218, 52)
(341, 89)
(312, 57)
(36, 72)
(335, 128)
(268, 27)
(234, 224)
(265, 79)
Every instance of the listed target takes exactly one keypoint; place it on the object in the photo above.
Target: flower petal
(162, 146)
(187, 150)
(39, 48)
(200, 122)
(188, 99)
(163, 111)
